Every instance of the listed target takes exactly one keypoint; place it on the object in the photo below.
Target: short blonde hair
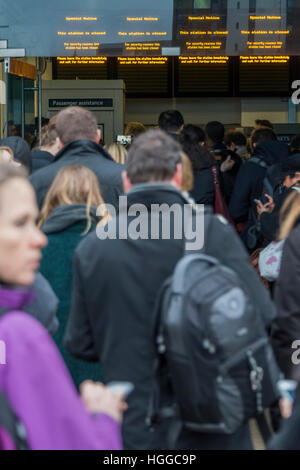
(117, 151)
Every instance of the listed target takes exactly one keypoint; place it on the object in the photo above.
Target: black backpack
(213, 351)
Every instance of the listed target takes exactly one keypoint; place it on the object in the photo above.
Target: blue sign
(84, 102)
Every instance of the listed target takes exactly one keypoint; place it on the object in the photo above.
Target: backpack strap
(258, 161)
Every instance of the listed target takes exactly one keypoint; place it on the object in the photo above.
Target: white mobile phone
(123, 388)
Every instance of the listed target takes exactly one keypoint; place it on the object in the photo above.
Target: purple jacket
(37, 384)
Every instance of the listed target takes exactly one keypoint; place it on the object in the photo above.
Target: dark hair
(215, 131)
(291, 165)
(235, 137)
(192, 134)
(170, 121)
(74, 123)
(263, 134)
(295, 143)
(190, 140)
(153, 156)
(264, 123)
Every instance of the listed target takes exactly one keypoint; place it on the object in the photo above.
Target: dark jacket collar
(82, 147)
(155, 193)
(67, 215)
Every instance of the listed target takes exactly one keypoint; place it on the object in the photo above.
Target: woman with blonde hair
(117, 151)
(68, 214)
(287, 290)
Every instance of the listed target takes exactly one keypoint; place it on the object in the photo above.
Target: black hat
(291, 164)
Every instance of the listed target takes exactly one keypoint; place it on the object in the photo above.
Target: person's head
(290, 170)
(12, 129)
(289, 213)
(20, 149)
(7, 156)
(215, 132)
(261, 123)
(20, 239)
(117, 151)
(73, 184)
(75, 123)
(153, 157)
(171, 121)
(295, 144)
(48, 137)
(134, 129)
(192, 140)
(192, 134)
(234, 140)
(260, 135)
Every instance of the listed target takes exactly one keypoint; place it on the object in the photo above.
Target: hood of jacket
(39, 154)
(21, 150)
(271, 152)
(67, 215)
(82, 147)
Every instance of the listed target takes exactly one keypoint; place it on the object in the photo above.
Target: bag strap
(258, 161)
(215, 175)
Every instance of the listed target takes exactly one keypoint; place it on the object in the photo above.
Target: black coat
(288, 435)
(249, 182)
(286, 327)
(270, 221)
(115, 285)
(203, 191)
(87, 153)
(41, 158)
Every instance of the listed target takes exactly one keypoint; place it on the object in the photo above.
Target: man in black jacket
(249, 182)
(117, 278)
(78, 139)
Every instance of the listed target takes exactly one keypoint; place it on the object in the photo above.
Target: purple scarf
(40, 390)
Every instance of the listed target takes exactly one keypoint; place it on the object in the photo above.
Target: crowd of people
(108, 345)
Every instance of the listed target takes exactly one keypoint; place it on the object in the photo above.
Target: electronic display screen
(117, 28)
(83, 27)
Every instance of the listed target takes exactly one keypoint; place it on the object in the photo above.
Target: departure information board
(152, 27)
(85, 27)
